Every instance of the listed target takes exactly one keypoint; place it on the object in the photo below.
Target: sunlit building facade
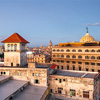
(83, 55)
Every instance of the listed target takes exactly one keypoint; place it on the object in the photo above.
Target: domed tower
(41, 46)
(50, 44)
(87, 37)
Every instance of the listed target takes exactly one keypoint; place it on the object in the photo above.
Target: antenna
(87, 29)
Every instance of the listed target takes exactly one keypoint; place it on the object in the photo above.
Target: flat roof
(31, 92)
(4, 77)
(75, 73)
(9, 87)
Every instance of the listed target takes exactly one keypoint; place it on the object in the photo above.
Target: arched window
(92, 57)
(86, 57)
(8, 47)
(62, 50)
(54, 50)
(11, 47)
(67, 56)
(58, 55)
(73, 56)
(79, 50)
(54, 55)
(58, 50)
(98, 57)
(15, 47)
(62, 56)
(67, 50)
(80, 57)
(98, 50)
(73, 50)
(92, 50)
(86, 50)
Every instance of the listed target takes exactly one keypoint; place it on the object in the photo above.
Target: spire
(87, 29)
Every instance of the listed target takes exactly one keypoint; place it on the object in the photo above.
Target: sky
(40, 21)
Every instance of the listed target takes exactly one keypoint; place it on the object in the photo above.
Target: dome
(87, 38)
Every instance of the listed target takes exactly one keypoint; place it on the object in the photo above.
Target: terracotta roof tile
(15, 38)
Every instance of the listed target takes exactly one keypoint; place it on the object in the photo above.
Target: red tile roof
(15, 38)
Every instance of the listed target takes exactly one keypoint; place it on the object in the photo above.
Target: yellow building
(83, 55)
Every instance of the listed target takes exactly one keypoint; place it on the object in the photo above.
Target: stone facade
(81, 88)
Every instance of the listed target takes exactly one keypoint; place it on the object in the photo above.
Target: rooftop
(71, 73)
(9, 87)
(31, 92)
(16, 38)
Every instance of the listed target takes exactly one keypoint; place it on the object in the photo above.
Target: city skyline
(55, 20)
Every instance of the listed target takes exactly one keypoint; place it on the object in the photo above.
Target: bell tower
(15, 50)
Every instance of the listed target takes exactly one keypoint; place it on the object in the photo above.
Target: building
(73, 85)
(83, 55)
(15, 50)
(41, 58)
(50, 44)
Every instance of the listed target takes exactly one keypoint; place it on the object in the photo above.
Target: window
(79, 62)
(57, 67)
(68, 61)
(39, 75)
(72, 92)
(11, 47)
(54, 56)
(62, 56)
(86, 63)
(79, 68)
(92, 50)
(73, 62)
(61, 67)
(85, 94)
(98, 50)
(4, 72)
(59, 90)
(62, 50)
(36, 74)
(92, 63)
(8, 47)
(73, 50)
(67, 56)
(86, 57)
(54, 50)
(67, 67)
(58, 55)
(86, 50)
(59, 80)
(32, 74)
(67, 50)
(57, 60)
(98, 57)
(63, 79)
(80, 57)
(58, 50)
(92, 70)
(73, 67)
(98, 64)
(15, 47)
(92, 57)
(56, 79)
(79, 50)
(53, 60)
(73, 56)
(37, 81)
(62, 61)
(86, 69)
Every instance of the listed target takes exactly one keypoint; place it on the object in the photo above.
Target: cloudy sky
(40, 21)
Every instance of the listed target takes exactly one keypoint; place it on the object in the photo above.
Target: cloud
(95, 24)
